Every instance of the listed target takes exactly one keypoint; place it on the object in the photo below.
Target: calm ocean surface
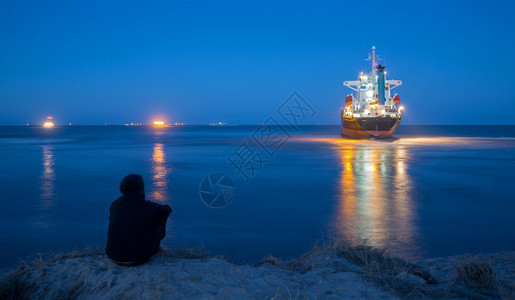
(431, 191)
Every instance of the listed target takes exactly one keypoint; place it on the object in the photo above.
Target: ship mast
(373, 58)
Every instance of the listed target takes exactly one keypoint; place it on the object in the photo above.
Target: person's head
(132, 184)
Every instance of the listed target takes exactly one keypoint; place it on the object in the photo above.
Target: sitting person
(136, 226)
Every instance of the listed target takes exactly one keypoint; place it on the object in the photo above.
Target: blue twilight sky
(93, 62)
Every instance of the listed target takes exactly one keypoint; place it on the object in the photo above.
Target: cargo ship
(49, 123)
(371, 112)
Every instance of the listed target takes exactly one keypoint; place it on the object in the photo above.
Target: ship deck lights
(48, 124)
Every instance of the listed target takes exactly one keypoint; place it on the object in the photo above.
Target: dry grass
(472, 278)
(474, 273)
(286, 294)
(377, 261)
(11, 286)
(302, 264)
(312, 259)
(394, 274)
(479, 278)
(269, 260)
(14, 285)
(505, 291)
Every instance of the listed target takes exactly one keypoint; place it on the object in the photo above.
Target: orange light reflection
(375, 202)
(160, 172)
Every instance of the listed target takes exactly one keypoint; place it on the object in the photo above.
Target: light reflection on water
(160, 172)
(375, 203)
(476, 142)
(47, 184)
(48, 176)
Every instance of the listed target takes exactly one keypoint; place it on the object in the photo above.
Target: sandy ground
(323, 273)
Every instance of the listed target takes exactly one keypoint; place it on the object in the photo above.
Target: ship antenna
(373, 58)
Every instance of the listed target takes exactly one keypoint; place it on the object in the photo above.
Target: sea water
(430, 191)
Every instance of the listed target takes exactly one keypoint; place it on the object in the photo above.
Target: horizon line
(229, 125)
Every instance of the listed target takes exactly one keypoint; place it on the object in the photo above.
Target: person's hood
(132, 185)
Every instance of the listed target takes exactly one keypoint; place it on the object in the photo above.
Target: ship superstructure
(370, 111)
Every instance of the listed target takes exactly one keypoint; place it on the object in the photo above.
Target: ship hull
(364, 128)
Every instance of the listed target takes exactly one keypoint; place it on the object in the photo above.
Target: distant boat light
(48, 124)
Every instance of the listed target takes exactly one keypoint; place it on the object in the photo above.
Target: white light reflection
(47, 177)
(47, 185)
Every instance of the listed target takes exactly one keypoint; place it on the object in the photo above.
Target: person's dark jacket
(131, 236)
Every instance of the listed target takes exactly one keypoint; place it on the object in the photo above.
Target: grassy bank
(332, 270)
